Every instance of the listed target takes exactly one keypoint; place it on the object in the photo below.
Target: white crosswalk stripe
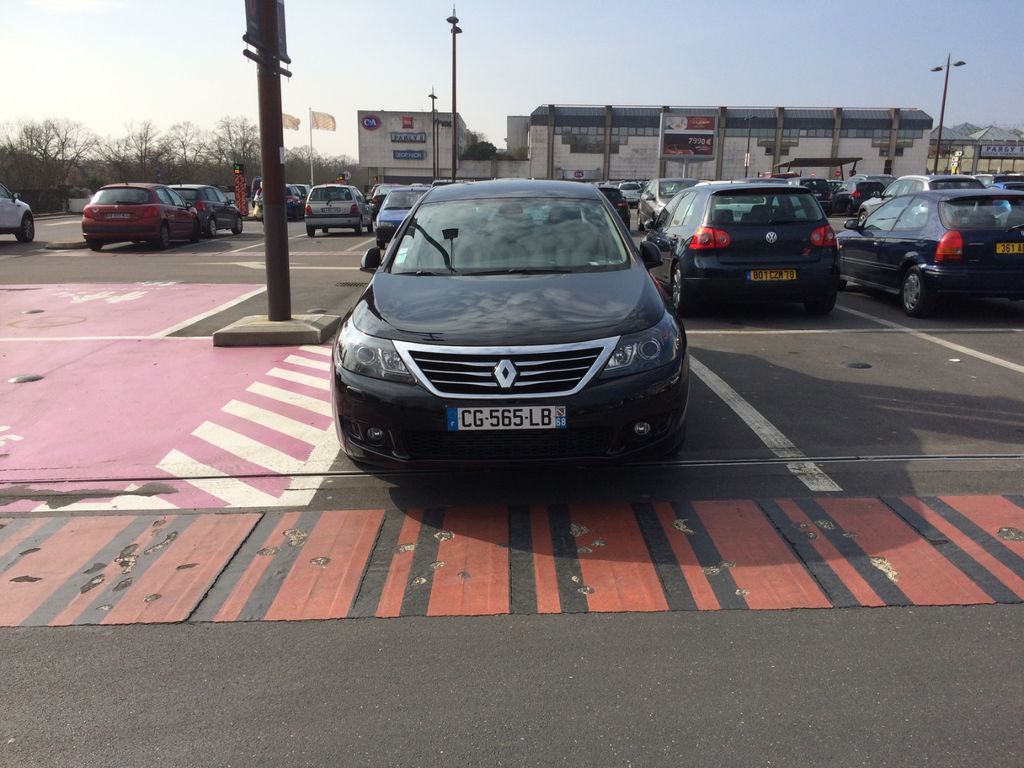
(230, 490)
(244, 447)
(317, 382)
(291, 398)
(274, 421)
(305, 362)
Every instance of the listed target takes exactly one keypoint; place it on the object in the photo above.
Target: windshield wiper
(436, 245)
(522, 271)
(1015, 227)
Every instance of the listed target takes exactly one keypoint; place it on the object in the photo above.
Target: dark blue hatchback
(941, 243)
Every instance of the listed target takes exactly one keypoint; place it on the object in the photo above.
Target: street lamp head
(453, 19)
(959, 63)
(936, 69)
(456, 30)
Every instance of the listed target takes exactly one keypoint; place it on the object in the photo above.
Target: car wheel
(842, 285)
(236, 228)
(862, 216)
(822, 306)
(211, 226)
(197, 232)
(917, 298)
(163, 242)
(27, 231)
(95, 245)
(684, 303)
(310, 231)
(359, 229)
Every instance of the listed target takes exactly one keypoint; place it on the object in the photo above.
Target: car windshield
(982, 213)
(121, 196)
(509, 236)
(403, 198)
(330, 195)
(756, 207)
(670, 188)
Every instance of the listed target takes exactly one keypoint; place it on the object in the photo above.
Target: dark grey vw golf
(510, 321)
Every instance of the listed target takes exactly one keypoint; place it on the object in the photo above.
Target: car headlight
(369, 356)
(658, 345)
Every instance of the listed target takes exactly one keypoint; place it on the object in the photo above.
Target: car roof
(949, 194)
(189, 186)
(740, 186)
(513, 188)
(146, 184)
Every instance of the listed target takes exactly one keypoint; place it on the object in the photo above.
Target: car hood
(508, 309)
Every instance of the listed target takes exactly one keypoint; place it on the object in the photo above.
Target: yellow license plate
(1009, 247)
(758, 275)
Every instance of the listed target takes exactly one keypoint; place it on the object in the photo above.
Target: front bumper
(600, 421)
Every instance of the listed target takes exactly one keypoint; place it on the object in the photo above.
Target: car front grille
(502, 444)
(489, 373)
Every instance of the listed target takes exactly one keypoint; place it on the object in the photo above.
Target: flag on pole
(290, 122)
(321, 121)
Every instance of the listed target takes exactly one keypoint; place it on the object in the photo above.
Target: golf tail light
(354, 210)
(950, 248)
(823, 236)
(709, 238)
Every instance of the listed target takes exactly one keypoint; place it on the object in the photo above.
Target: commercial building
(618, 142)
(402, 147)
(968, 148)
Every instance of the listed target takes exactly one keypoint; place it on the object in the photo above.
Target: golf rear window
(121, 196)
(756, 207)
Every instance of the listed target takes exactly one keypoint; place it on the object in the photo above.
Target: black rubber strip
(721, 580)
(977, 534)
(416, 599)
(666, 564)
(522, 580)
(35, 541)
(567, 564)
(376, 575)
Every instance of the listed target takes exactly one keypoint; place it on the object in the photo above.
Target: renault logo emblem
(771, 237)
(505, 373)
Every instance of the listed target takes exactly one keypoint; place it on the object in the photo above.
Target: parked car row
(16, 216)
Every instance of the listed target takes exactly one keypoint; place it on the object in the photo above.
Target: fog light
(375, 435)
(641, 429)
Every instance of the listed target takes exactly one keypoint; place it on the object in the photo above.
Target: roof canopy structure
(818, 162)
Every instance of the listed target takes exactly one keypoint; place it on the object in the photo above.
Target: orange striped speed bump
(492, 560)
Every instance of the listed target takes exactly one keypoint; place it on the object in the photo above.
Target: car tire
(95, 245)
(27, 231)
(916, 298)
(682, 301)
(211, 226)
(236, 228)
(163, 242)
(197, 232)
(358, 229)
(310, 231)
(842, 285)
(822, 306)
(862, 216)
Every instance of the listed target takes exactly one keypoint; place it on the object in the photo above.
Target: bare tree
(237, 140)
(138, 156)
(44, 154)
(185, 147)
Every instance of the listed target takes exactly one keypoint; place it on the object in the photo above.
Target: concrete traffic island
(260, 331)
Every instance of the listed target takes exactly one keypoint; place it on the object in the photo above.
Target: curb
(66, 245)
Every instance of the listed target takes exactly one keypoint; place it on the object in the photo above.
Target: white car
(16, 217)
(631, 191)
(337, 206)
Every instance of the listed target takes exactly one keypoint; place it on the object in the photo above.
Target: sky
(108, 63)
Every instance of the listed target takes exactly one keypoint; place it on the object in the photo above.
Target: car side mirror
(371, 260)
(853, 224)
(17, 196)
(651, 254)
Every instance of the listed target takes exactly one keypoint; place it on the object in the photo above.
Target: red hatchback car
(138, 213)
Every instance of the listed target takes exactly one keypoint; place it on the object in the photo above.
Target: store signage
(370, 122)
(409, 138)
(408, 154)
(407, 122)
(688, 136)
(1002, 150)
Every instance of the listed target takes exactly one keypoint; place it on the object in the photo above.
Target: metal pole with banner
(689, 136)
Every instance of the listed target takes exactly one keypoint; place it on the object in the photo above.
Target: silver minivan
(336, 206)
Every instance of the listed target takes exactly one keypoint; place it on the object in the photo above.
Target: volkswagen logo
(505, 373)
(772, 237)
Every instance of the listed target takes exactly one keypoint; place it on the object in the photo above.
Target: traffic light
(239, 169)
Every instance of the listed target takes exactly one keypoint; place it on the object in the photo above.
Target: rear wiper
(1015, 227)
(522, 271)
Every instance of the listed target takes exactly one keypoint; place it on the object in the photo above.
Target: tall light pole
(433, 132)
(942, 111)
(454, 21)
(746, 157)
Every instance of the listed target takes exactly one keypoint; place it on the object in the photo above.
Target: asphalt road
(881, 404)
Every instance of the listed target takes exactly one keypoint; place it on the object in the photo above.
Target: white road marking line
(936, 340)
(259, 265)
(246, 448)
(305, 362)
(125, 500)
(65, 223)
(209, 313)
(828, 331)
(325, 351)
(807, 472)
(35, 339)
(247, 248)
(317, 382)
(275, 421)
(288, 397)
(230, 490)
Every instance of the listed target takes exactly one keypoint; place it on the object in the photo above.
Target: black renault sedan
(731, 242)
(923, 247)
(510, 321)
